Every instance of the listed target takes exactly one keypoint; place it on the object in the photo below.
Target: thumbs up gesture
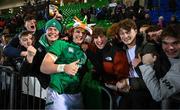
(71, 68)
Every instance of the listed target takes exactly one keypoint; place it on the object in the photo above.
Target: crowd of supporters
(77, 66)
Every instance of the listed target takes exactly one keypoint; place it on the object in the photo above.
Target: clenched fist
(149, 58)
(31, 52)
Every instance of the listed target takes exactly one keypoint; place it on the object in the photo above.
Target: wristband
(60, 68)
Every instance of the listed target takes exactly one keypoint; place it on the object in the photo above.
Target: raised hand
(136, 61)
(57, 15)
(149, 58)
(31, 52)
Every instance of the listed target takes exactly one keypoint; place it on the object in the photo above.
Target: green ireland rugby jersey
(66, 53)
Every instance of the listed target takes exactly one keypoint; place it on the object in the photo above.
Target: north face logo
(108, 58)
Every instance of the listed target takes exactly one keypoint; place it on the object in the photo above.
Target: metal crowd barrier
(110, 97)
(19, 92)
(7, 86)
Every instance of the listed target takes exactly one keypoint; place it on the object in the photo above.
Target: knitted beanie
(53, 23)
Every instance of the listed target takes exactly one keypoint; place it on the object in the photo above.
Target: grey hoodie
(165, 87)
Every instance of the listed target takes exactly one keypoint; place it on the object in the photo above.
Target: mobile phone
(52, 10)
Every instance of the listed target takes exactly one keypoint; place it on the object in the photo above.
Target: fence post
(11, 98)
(9, 70)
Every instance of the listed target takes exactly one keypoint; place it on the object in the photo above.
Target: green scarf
(43, 41)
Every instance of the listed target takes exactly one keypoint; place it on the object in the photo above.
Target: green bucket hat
(53, 23)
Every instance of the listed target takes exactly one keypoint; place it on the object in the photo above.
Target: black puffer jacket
(33, 69)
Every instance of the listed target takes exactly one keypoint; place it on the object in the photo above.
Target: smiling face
(171, 46)
(79, 35)
(127, 31)
(26, 40)
(100, 41)
(30, 25)
(128, 37)
(52, 34)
